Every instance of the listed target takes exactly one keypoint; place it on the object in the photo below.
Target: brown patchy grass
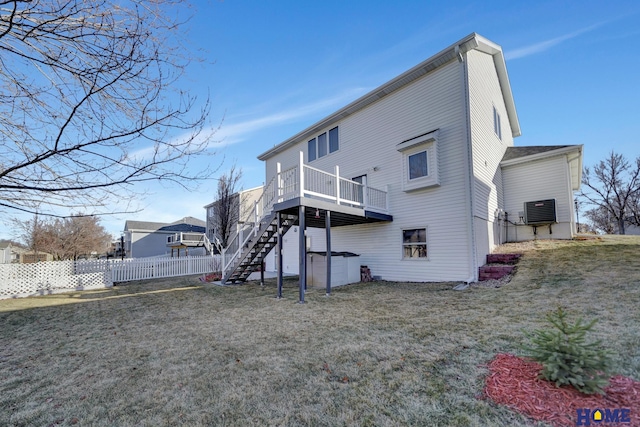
(177, 352)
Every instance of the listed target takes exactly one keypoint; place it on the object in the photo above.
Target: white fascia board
(487, 46)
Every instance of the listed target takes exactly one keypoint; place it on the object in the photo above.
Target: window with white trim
(420, 162)
(497, 128)
(323, 144)
(414, 243)
(418, 166)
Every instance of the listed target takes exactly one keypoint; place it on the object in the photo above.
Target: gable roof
(143, 225)
(472, 41)
(188, 223)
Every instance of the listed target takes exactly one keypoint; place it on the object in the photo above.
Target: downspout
(471, 234)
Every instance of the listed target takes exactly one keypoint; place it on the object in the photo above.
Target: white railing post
(223, 258)
(301, 173)
(365, 195)
(386, 197)
(256, 218)
(279, 188)
(337, 185)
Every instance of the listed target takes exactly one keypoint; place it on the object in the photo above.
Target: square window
(414, 243)
(418, 165)
(311, 150)
(334, 144)
(322, 145)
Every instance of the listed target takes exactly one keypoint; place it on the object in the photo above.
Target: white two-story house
(420, 177)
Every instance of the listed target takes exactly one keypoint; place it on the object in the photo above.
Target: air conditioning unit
(540, 212)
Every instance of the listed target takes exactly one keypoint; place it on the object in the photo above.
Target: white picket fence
(19, 280)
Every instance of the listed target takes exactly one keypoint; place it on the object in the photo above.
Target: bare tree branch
(90, 103)
(614, 189)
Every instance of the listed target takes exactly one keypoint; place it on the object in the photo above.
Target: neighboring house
(5, 252)
(429, 180)
(244, 201)
(29, 257)
(146, 239)
(10, 253)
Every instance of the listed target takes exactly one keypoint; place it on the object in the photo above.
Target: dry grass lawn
(177, 352)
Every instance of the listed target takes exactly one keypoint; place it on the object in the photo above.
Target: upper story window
(418, 166)
(323, 144)
(497, 128)
(420, 161)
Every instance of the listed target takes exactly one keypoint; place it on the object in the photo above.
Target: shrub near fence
(18, 280)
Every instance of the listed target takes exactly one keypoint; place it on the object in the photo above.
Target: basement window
(414, 243)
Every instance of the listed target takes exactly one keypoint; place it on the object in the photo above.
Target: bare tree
(65, 238)
(227, 206)
(612, 187)
(601, 220)
(90, 103)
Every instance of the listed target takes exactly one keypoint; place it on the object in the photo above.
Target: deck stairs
(257, 246)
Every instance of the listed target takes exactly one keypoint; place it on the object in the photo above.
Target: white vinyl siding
(486, 110)
(539, 180)
(368, 145)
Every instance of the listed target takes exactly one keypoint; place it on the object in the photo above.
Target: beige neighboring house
(9, 253)
(247, 200)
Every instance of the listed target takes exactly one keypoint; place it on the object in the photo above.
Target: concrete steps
(498, 266)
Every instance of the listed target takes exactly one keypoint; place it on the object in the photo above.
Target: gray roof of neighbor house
(188, 223)
(472, 41)
(517, 152)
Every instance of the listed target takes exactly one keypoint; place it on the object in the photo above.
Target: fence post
(301, 173)
(337, 185)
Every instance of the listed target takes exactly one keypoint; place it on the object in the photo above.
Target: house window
(334, 144)
(420, 162)
(323, 144)
(496, 123)
(311, 150)
(414, 243)
(418, 165)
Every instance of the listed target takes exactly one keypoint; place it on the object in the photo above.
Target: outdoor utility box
(345, 268)
(540, 212)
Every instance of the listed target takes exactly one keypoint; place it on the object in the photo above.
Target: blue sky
(274, 68)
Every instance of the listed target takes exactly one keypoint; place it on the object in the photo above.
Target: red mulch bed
(514, 382)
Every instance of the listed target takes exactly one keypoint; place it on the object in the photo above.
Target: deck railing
(301, 181)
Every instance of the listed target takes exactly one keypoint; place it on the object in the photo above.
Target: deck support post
(302, 245)
(279, 252)
(327, 224)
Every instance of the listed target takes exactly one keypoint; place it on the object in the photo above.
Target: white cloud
(548, 44)
(235, 132)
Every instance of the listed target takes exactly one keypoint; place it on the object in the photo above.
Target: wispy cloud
(548, 44)
(237, 131)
